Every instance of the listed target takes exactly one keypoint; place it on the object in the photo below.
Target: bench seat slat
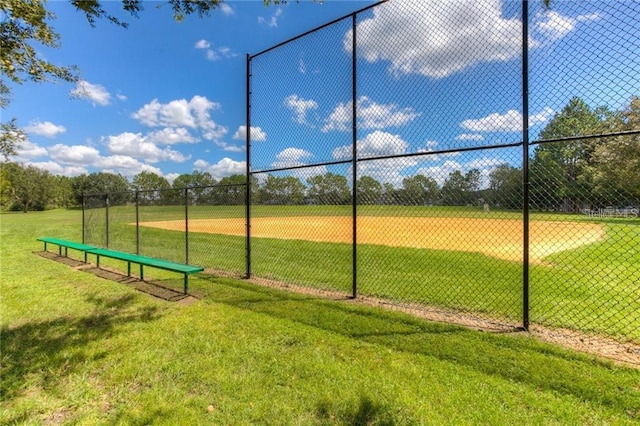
(65, 243)
(147, 261)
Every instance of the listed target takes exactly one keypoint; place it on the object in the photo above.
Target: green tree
(369, 191)
(28, 188)
(616, 161)
(559, 172)
(62, 192)
(11, 137)
(152, 188)
(461, 189)
(231, 190)
(419, 190)
(282, 190)
(328, 189)
(100, 184)
(505, 187)
(199, 184)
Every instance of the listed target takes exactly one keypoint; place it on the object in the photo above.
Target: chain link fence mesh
(389, 159)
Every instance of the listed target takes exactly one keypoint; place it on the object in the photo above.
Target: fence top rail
(143, 191)
(292, 39)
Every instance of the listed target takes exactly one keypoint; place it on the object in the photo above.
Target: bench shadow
(49, 351)
(516, 359)
(156, 288)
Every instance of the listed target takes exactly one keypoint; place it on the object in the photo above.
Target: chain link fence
(478, 160)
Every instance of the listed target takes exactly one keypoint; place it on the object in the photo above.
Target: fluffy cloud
(136, 146)
(226, 9)
(375, 144)
(81, 155)
(57, 169)
(222, 168)
(300, 107)
(511, 121)
(371, 115)
(47, 129)
(28, 149)
(95, 93)
(469, 137)
(214, 54)
(291, 157)
(446, 38)
(551, 25)
(272, 22)
(257, 134)
(170, 136)
(449, 37)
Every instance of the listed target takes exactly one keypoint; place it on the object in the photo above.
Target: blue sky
(169, 97)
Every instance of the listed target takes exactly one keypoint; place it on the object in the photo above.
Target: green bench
(143, 261)
(66, 245)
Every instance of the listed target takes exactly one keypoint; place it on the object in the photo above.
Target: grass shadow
(48, 351)
(513, 358)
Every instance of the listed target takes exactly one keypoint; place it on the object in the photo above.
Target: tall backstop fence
(479, 159)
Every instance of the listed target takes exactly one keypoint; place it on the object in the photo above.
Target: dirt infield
(499, 238)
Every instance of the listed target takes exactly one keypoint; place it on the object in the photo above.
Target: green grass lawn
(79, 349)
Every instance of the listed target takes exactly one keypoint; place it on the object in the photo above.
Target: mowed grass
(594, 288)
(78, 349)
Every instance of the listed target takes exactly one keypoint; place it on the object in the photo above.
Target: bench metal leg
(186, 283)
(128, 269)
(141, 273)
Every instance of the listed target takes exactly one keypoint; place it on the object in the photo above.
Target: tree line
(565, 175)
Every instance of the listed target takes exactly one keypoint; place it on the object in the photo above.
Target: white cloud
(551, 25)
(511, 121)
(202, 44)
(136, 146)
(222, 168)
(291, 157)
(124, 165)
(74, 154)
(121, 97)
(371, 115)
(300, 107)
(171, 177)
(226, 9)
(272, 22)
(28, 149)
(171, 136)
(375, 144)
(56, 169)
(95, 93)
(47, 129)
(228, 147)
(214, 54)
(194, 114)
(446, 37)
(469, 137)
(257, 134)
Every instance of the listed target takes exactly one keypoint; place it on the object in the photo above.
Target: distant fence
(477, 158)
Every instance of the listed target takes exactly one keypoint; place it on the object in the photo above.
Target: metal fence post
(186, 224)
(525, 163)
(106, 202)
(354, 154)
(84, 230)
(137, 223)
(248, 172)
